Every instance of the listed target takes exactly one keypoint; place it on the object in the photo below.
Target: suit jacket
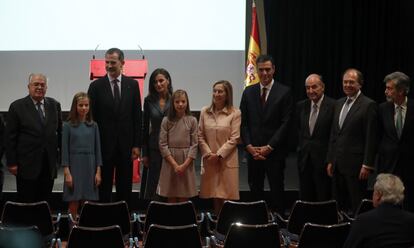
(268, 125)
(153, 116)
(27, 137)
(355, 144)
(396, 155)
(315, 146)
(118, 127)
(385, 226)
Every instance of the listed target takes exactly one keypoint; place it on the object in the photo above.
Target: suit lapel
(256, 98)
(125, 88)
(389, 115)
(321, 114)
(354, 109)
(408, 114)
(33, 111)
(108, 90)
(306, 115)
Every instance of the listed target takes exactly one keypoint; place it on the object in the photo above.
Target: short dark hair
(152, 92)
(117, 51)
(401, 80)
(360, 76)
(264, 58)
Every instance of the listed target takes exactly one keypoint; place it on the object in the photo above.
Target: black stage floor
(291, 187)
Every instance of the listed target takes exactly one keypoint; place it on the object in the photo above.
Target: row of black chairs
(165, 224)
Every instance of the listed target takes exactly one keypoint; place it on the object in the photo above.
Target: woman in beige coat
(218, 136)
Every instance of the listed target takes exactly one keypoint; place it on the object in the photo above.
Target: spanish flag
(254, 51)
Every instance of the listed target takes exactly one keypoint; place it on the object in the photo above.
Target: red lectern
(136, 68)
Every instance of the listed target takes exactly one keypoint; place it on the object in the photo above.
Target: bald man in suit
(313, 119)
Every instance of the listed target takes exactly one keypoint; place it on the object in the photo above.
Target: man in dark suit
(395, 154)
(314, 119)
(353, 140)
(266, 114)
(387, 225)
(116, 107)
(33, 134)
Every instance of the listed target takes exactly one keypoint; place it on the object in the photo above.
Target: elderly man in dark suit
(387, 225)
(313, 118)
(116, 107)
(266, 115)
(395, 154)
(33, 134)
(353, 141)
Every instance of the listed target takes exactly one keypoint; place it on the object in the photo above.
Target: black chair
(253, 213)
(324, 213)
(20, 237)
(95, 214)
(246, 236)
(324, 236)
(110, 236)
(160, 236)
(16, 214)
(169, 214)
(365, 206)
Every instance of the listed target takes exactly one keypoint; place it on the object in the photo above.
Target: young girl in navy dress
(81, 155)
(178, 147)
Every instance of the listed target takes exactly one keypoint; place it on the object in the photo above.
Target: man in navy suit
(353, 141)
(387, 225)
(266, 115)
(313, 119)
(116, 107)
(33, 135)
(396, 117)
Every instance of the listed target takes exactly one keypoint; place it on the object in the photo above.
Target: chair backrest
(170, 214)
(364, 206)
(246, 236)
(324, 213)
(324, 236)
(20, 237)
(109, 236)
(253, 213)
(160, 236)
(95, 214)
(28, 214)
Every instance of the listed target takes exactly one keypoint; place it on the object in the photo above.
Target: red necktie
(263, 96)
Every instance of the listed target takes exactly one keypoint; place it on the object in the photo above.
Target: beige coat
(219, 133)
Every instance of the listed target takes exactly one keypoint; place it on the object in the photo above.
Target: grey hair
(37, 75)
(390, 187)
(315, 75)
(401, 81)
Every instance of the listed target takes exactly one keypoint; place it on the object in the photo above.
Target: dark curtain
(329, 36)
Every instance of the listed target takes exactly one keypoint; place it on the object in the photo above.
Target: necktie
(312, 118)
(117, 98)
(263, 96)
(40, 112)
(345, 112)
(399, 121)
